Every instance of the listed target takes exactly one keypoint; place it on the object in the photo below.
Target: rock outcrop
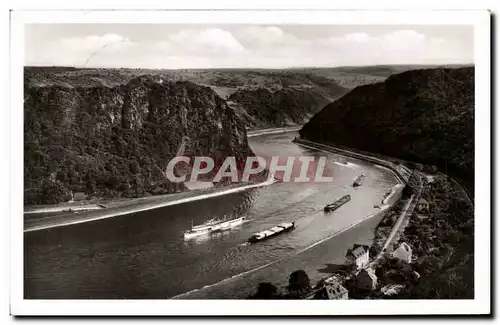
(116, 140)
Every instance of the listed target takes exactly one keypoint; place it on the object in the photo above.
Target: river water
(144, 255)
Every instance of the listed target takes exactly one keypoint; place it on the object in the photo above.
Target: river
(143, 255)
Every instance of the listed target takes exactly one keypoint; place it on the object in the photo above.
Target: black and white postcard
(252, 159)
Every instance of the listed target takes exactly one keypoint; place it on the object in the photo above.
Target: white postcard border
(481, 303)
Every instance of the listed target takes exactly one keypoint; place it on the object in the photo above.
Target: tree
(134, 167)
(407, 192)
(266, 290)
(298, 283)
(374, 250)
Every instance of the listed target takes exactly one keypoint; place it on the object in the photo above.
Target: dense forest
(425, 116)
(112, 141)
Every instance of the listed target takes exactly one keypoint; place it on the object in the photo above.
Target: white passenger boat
(212, 225)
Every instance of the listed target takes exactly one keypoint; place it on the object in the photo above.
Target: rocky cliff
(116, 140)
(423, 115)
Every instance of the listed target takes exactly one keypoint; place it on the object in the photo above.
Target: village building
(403, 252)
(331, 290)
(366, 279)
(358, 255)
(422, 205)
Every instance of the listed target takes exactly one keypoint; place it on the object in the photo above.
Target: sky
(168, 46)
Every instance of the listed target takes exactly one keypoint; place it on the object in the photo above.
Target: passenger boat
(279, 229)
(338, 203)
(212, 225)
(359, 181)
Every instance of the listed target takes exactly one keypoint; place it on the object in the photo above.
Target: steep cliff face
(421, 115)
(117, 140)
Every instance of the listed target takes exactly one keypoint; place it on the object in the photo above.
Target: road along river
(144, 255)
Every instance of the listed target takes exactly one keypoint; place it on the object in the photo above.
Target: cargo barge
(359, 181)
(338, 203)
(279, 229)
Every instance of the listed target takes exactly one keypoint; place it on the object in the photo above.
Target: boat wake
(347, 165)
(272, 131)
(180, 296)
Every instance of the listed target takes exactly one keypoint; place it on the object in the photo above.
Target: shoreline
(64, 207)
(393, 192)
(255, 133)
(126, 209)
(371, 159)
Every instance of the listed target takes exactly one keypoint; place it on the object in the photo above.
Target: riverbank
(64, 207)
(254, 133)
(136, 205)
(401, 172)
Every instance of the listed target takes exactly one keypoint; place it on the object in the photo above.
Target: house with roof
(358, 255)
(422, 205)
(331, 290)
(366, 279)
(79, 196)
(403, 252)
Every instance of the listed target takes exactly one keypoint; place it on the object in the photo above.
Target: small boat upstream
(212, 225)
(338, 203)
(359, 181)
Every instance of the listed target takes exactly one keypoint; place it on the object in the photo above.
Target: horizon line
(260, 68)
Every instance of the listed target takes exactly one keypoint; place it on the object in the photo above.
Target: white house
(78, 196)
(403, 252)
(358, 255)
